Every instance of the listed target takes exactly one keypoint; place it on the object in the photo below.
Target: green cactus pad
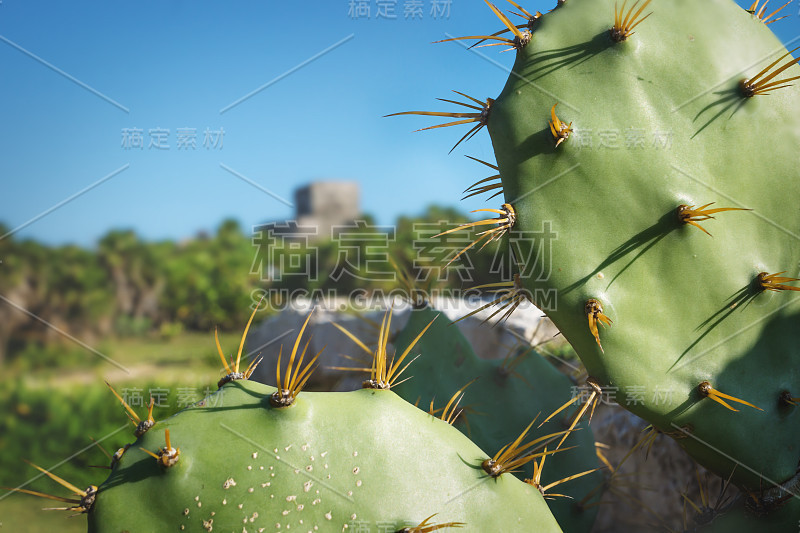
(659, 120)
(330, 462)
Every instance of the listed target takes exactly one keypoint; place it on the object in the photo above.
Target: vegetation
(130, 287)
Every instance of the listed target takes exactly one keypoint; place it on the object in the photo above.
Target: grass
(180, 359)
(24, 513)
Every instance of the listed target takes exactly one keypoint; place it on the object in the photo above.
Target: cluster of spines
(503, 223)
(707, 391)
(522, 32)
(232, 369)
(480, 115)
(536, 480)
(511, 294)
(759, 12)
(142, 426)
(703, 508)
(167, 456)
(559, 130)
(624, 23)
(384, 370)
(492, 183)
(762, 83)
(514, 455)
(592, 401)
(451, 411)
(427, 527)
(83, 504)
(688, 214)
(296, 375)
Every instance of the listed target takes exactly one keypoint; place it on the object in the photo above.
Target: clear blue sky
(103, 67)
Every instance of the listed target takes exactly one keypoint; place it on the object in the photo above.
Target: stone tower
(325, 204)
(319, 207)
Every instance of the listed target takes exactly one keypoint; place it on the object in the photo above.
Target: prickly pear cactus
(261, 458)
(656, 142)
(503, 398)
(327, 462)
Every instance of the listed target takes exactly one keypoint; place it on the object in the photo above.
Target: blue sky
(76, 75)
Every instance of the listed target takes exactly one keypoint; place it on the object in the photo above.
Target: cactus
(328, 461)
(502, 397)
(265, 458)
(659, 140)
